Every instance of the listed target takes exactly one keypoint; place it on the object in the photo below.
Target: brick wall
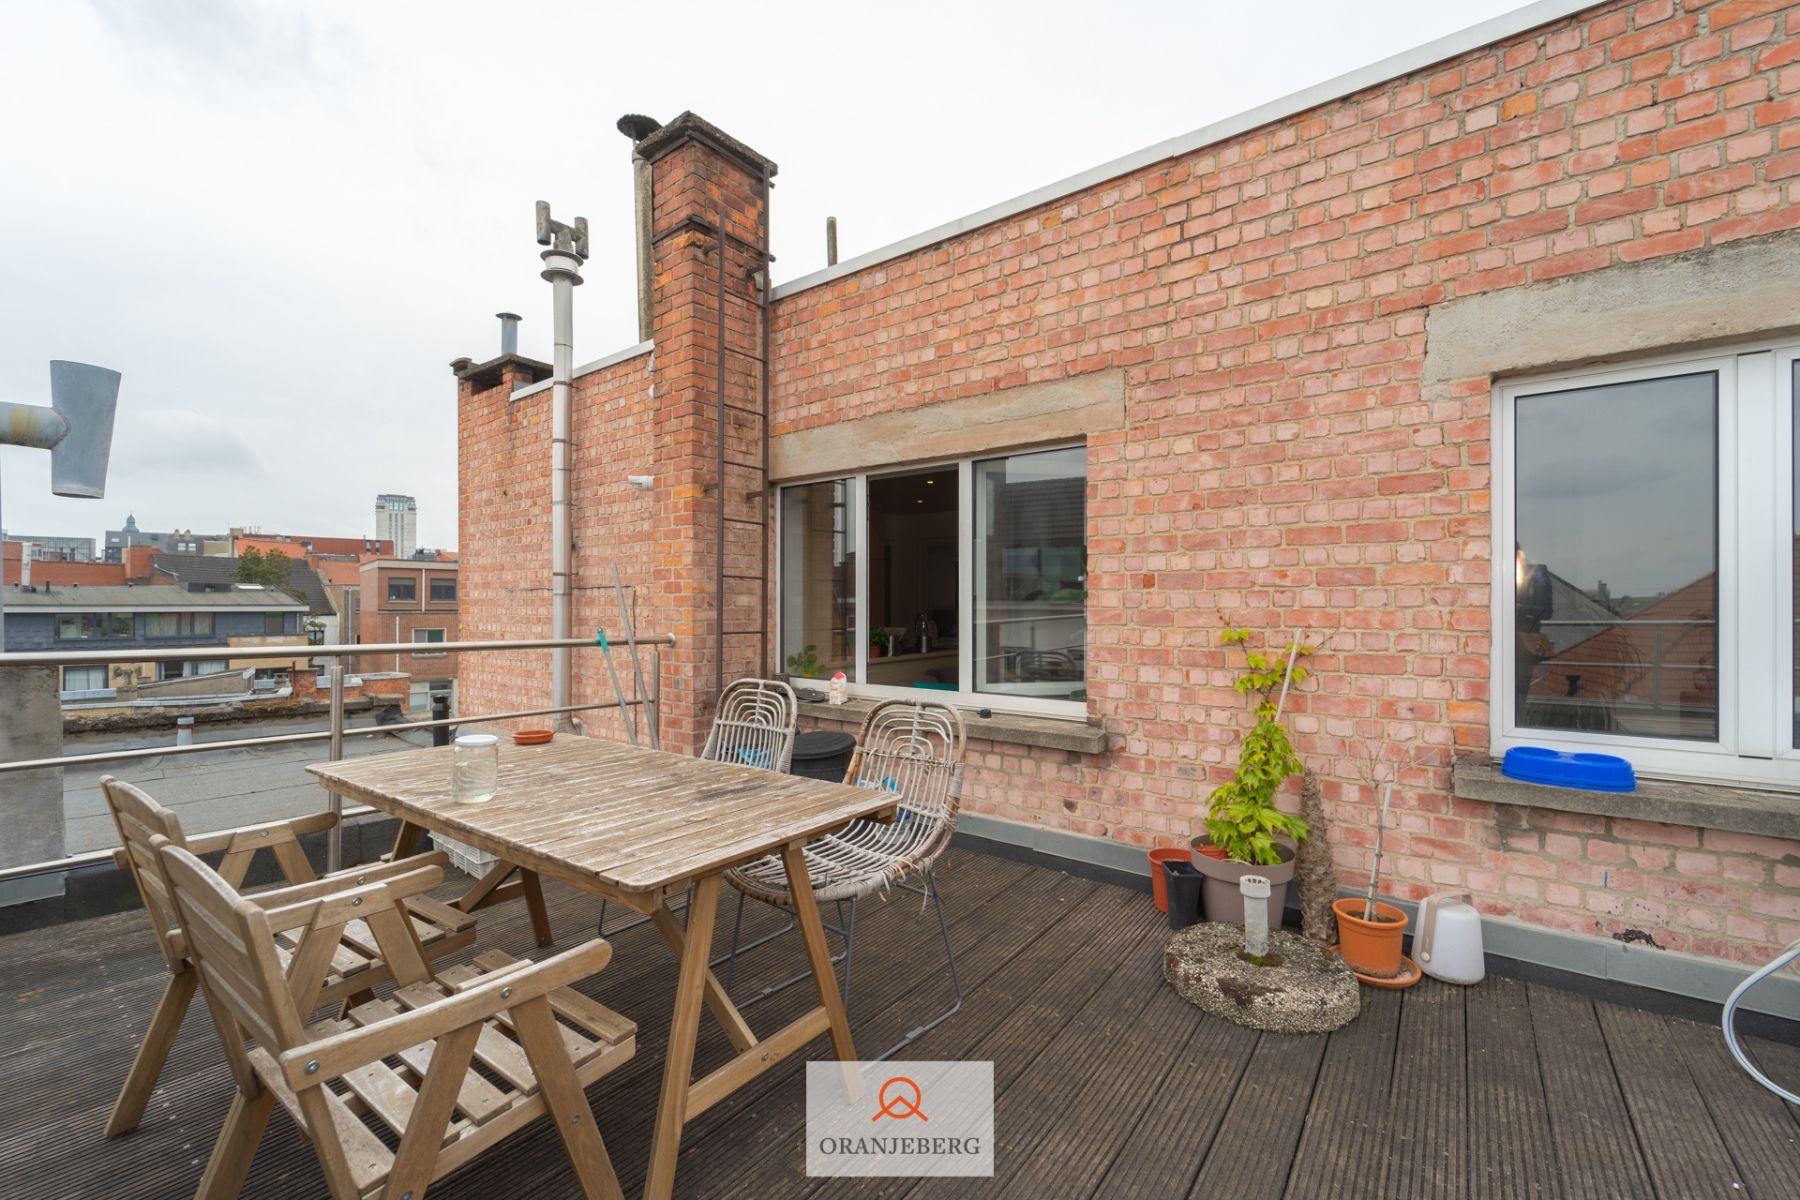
(1281, 464)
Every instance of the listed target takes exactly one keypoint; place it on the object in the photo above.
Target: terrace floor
(1108, 1084)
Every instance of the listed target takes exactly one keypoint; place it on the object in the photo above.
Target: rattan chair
(403, 1090)
(355, 967)
(754, 727)
(914, 749)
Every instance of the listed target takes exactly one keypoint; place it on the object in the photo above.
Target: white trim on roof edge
(599, 364)
(1494, 29)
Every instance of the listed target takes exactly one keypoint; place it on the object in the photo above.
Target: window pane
(69, 629)
(818, 579)
(403, 589)
(203, 624)
(274, 623)
(84, 679)
(443, 590)
(913, 580)
(1616, 604)
(120, 623)
(162, 625)
(1031, 574)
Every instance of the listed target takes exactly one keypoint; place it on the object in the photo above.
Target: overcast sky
(282, 221)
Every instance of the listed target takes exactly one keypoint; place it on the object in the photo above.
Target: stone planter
(1219, 896)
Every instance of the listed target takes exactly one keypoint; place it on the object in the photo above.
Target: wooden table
(637, 827)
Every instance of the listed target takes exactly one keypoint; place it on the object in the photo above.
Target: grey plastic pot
(1219, 896)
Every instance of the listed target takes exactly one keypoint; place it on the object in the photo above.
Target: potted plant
(1246, 834)
(878, 643)
(1370, 931)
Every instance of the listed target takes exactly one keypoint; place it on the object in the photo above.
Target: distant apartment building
(216, 573)
(150, 617)
(411, 601)
(307, 546)
(180, 541)
(397, 520)
(51, 548)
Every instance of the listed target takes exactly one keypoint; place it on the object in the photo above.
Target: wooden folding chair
(406, 1067)
(354, 967)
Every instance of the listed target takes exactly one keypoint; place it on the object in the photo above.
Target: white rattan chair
(754, 727)
(914, 749)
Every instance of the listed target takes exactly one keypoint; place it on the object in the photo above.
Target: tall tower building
(397, 519)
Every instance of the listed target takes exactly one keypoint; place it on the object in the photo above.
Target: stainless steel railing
(336, 731)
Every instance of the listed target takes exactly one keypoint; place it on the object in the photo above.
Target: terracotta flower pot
(1370, 947)
(1159, 889)
(1219, 895)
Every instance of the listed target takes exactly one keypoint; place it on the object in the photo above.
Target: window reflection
(1031, 574)
(1615, 563)
(818, 579)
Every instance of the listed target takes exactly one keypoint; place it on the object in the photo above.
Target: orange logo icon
(900, 1106)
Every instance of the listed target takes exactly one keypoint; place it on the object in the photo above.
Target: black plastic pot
(822, 754)
(1183, 884)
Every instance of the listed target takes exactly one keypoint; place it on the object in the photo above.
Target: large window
(84, 679)
(967, 578)
(81, 627)
(443, 591)
(428, 636)
(1645, 565)
(402, 588)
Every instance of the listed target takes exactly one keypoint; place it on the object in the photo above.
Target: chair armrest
(213, 843)
(292, 906)
(331, 1057)
(345, 880)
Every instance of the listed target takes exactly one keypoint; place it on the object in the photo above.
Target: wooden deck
(1108, 1084)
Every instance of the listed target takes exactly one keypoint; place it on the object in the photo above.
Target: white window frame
(965, 696)
(1755, 473)
(443, 636)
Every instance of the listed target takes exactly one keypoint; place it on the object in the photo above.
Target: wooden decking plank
(1343, 1147)
(1510, 1149)
(1681, 1146)
(1596, 1145)
(1091, 1080)
(1035, 960)
(1251, 1154)
(1188, 1098)
(1757, 1127)
(1427, 1128)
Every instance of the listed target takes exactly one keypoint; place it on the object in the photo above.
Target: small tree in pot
(1246, 834)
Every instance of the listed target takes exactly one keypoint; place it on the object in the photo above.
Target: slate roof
(200, 568)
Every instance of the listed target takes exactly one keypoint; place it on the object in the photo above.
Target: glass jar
(474, 768)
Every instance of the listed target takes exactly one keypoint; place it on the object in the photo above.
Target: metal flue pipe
(562, 267)
(509, 332)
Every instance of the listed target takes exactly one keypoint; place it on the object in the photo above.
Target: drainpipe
(637, 127)
(562, 267)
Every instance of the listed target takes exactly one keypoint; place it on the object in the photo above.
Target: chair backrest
(231, 939)
(233, 946)
(140, 820)
(755, 725)
(913, 748)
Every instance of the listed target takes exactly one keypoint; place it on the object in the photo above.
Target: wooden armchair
(408, 1064)
(354, 966)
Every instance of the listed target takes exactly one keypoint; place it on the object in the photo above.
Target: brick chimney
(710, 224)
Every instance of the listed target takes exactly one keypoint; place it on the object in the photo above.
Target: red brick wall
(505, 534)
(1280, 465)
(1266, 298)
(382, 620)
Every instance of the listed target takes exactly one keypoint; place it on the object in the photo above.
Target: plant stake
(1387, 797)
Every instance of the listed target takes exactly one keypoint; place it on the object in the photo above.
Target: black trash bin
(822, 754)
(1182, 883)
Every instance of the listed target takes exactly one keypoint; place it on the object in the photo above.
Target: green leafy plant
(806, 664)
(879, 640)
(1242, 819)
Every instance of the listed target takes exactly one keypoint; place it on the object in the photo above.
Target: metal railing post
(334, 838)
(655, 697)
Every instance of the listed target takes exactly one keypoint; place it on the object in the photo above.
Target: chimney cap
(637, 126)
(506, 316)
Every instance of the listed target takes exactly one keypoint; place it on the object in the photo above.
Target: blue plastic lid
(1586, 772)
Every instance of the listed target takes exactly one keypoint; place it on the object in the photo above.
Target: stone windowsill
(1666, 801)
(1053, 733)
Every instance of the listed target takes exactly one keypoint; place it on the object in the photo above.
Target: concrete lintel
(1718, 294)
(1033, 413)
(1665, 801)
